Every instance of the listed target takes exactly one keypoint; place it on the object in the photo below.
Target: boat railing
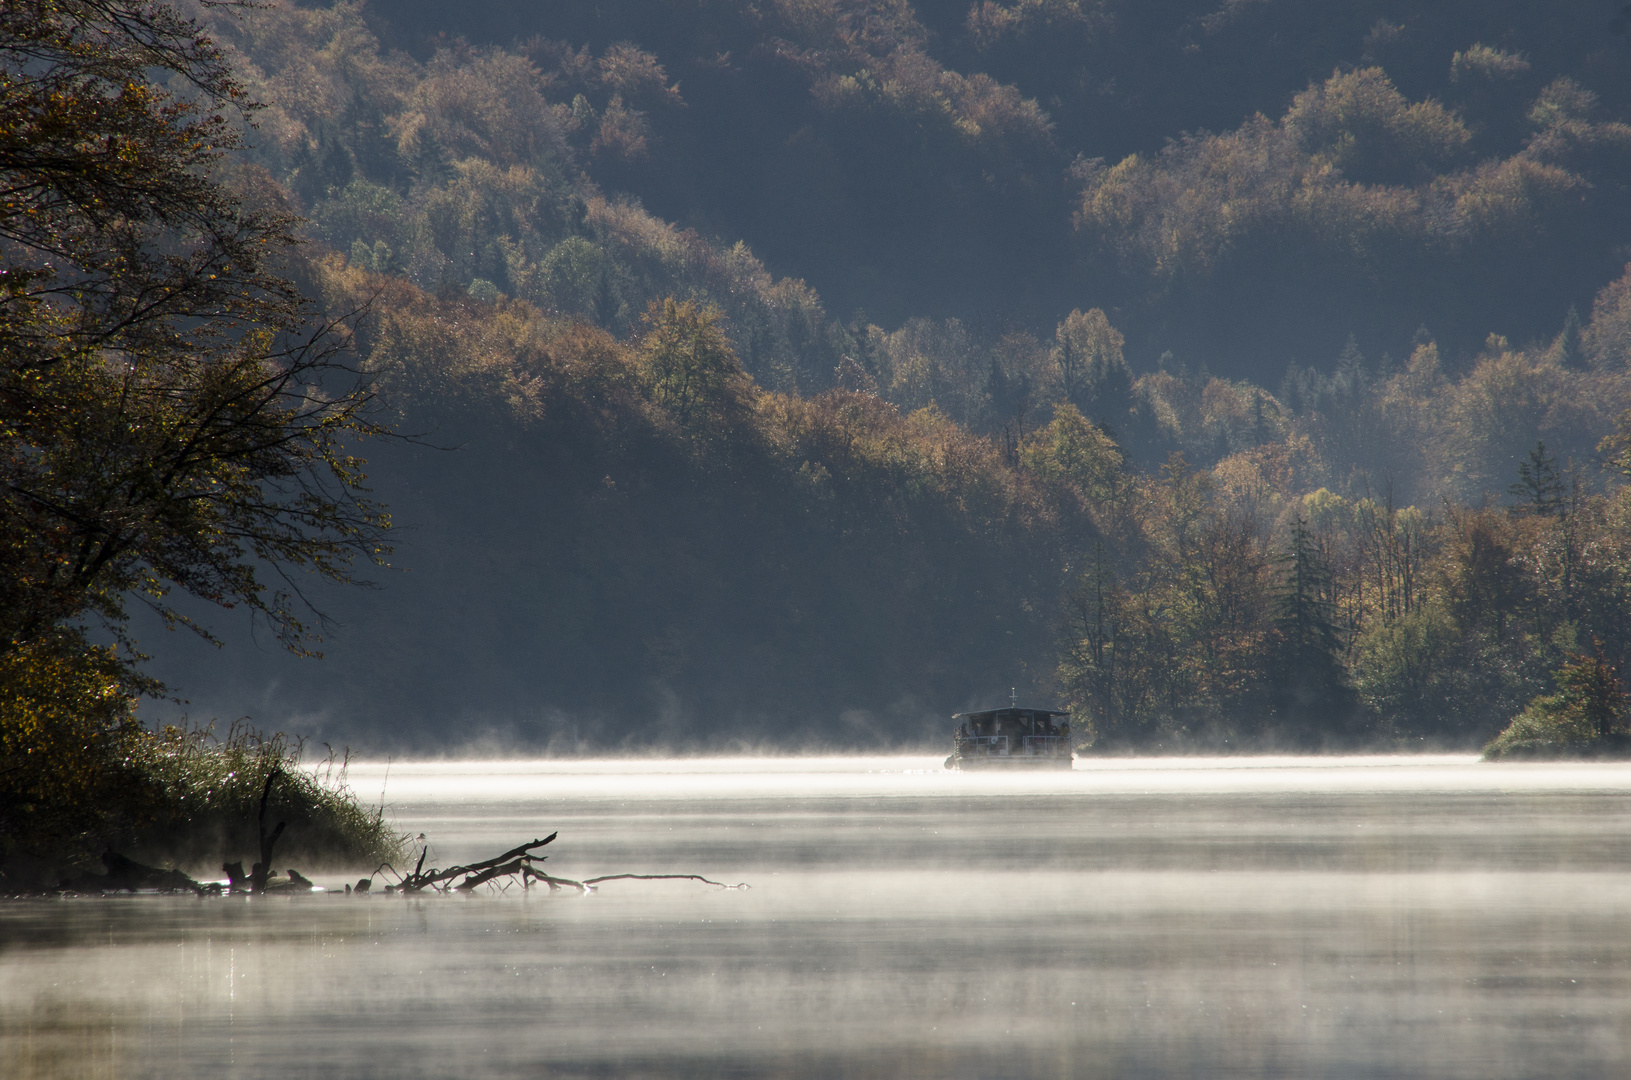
(986, 744)
(1045, 745)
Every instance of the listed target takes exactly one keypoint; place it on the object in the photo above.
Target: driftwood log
(521, 864)
(517, 864)
(516, 861)
(128, 875)
(588, 885)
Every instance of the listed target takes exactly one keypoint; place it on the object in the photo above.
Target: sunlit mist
(1243, 916)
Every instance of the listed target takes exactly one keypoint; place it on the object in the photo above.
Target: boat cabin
(1011, 737)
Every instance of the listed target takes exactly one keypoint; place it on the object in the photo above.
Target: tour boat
(1011, 738)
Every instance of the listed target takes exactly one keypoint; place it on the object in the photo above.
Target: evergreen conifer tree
(1312, 703)
(1541, 484)
(1568, 341)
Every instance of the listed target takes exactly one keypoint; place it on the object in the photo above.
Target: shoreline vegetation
(81, 784)
(1586, 718)
(177, 420)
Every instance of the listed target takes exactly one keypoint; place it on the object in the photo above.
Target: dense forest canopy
(793, 373)
(926, 160)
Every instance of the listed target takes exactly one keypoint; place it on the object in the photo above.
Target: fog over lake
(1358, 917)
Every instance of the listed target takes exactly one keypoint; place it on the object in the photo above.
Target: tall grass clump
(80, 774)
(207, 802)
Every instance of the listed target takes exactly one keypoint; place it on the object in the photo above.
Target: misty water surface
(1247, 917)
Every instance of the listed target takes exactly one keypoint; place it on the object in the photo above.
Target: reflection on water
(1289, 918)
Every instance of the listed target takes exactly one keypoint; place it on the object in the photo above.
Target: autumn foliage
(1237, 403)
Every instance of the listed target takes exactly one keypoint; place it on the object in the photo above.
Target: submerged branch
(592, 882)
(513, 861)
(588, 885)
(518, 864)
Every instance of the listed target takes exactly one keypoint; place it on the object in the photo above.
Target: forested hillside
(613, 542)
(1344, 163)
(794, 373)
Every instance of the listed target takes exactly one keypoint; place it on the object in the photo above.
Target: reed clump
(79, 774)
(206, 800)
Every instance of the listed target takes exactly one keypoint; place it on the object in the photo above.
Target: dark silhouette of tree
(1308, 689)
(1541, 484)
(1592, 685)
(171, 415)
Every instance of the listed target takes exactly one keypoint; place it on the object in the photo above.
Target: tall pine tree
(1311, 703)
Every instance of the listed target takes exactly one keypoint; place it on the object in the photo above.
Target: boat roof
(1011, 710)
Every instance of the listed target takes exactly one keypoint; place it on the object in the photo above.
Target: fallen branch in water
(588, 885)
(518, 863)
(592, 882)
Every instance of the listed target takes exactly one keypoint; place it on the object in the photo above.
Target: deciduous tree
(171, 413)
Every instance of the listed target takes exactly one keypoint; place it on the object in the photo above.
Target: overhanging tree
(172, 414)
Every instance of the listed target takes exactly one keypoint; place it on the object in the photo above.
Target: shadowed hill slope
(635, 544)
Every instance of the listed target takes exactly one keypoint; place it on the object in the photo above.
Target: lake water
(1365, 917)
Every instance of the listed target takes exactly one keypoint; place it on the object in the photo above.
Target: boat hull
(1000, 763)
